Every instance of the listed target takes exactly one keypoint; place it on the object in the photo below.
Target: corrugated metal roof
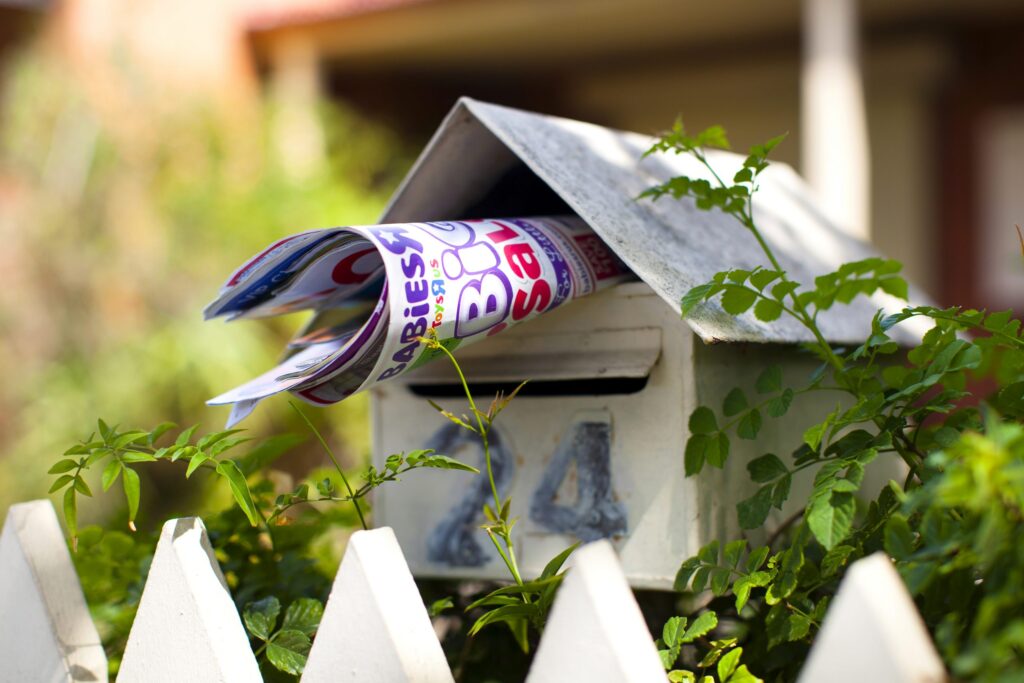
(669, 244)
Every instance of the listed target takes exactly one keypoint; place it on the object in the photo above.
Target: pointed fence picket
(873, 632)
(187, 627)
(375, 627)
(46, 633)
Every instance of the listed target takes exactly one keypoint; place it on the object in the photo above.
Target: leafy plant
(286, 647)
(947, 525)
(263, 547)
(525, 604)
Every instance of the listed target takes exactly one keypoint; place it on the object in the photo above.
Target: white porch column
(833, 126)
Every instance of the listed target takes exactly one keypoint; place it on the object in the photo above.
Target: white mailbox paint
(628, 447)
(596, 632)
(46, 633)
(375, 627)
(187, 627)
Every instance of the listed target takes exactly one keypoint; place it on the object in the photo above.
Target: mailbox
(593, 447)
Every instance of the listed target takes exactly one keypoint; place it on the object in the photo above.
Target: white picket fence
(375, 627)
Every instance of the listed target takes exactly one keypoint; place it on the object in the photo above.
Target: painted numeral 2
(454, 540)
(594, 514)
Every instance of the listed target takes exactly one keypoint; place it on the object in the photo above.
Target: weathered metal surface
(671, 245)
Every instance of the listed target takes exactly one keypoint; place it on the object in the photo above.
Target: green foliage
(949, 527)
(285, 647)
(262, 544)
(122, 231)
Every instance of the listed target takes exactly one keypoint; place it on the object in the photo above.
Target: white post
(46, 633)
(375, 628)
(187, 627)
(595, 632)
(833, 126)
(872, 632)
(296, 91)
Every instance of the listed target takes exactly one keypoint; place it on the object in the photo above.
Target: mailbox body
(595, 451)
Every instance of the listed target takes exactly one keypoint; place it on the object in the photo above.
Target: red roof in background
(265, 15)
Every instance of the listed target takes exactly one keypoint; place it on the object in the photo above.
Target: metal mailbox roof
(669, 244)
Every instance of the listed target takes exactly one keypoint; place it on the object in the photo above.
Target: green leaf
(702, 421)
(439, 606)
(814, 434)
(137, 456)
(303, 615)
(769, 380)
(780, 490)
(778, 406)
(749, 425)
(899, 539)
(132, 491)
(735, 402)
(110, 474)
(71, 512)
(552, 567)
(784, 289)
(82, 487)
(708, 554)
(742, 587)
(757, 558)
(260, 617)
(763, 278)
(697, 295)
(728, 663)
(733, 551)
(195, 463)
(753, 511)
(672, 632)
(685, 573)
(159, 431)
(738, 275)
(738, 299)
(443, 462)
(743, 675)
(717, 450)
(830, 518)
(61, 482)
(507, 614)
(719, 581)
(129, 437)
(325, 487)
(766, 468)
(186, 436)
(896, 286)
(239, 489)
(700, 626)
(767, 310)
(65, 465)
(668, 657)
(288, 651)
(835, 559)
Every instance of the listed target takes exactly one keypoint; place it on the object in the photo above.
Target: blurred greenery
(117, 224)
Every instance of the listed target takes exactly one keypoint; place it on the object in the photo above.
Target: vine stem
(508, 553)
(337, 465)
(747, 220)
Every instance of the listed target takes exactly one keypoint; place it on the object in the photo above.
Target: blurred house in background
(20, 20)
(944, 99)
(942, 105)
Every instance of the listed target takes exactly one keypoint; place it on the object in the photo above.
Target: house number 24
(594, 514)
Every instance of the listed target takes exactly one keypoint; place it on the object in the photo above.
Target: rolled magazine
(378, 290)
